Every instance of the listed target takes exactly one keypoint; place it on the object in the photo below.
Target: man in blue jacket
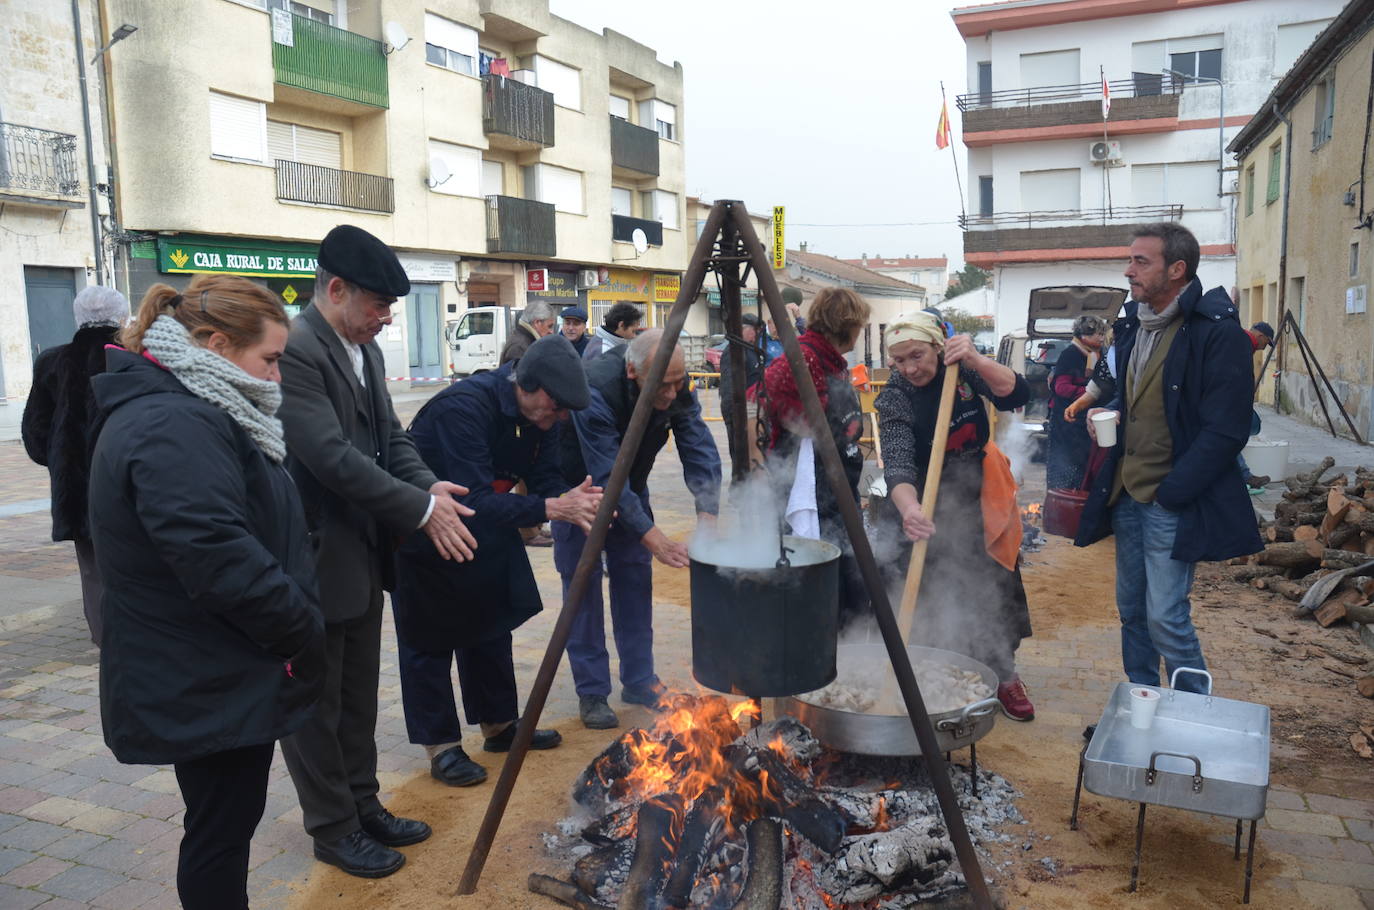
(1170, 488)
(616, 379)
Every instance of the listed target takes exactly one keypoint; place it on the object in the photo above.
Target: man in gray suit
(363, 485)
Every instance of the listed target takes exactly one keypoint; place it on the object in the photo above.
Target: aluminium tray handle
(1197, 768)
(975, 711)
(1173, 678)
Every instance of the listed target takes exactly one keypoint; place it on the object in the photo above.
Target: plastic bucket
(1267, 457)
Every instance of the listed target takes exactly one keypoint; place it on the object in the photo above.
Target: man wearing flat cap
(363, 484)
(493, 430)
(575, 328)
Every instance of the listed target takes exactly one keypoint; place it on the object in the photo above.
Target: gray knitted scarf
(1152, 326)
(251, 402)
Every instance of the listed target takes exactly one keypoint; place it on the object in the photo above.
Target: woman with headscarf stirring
(972, 600)
(1069, 442)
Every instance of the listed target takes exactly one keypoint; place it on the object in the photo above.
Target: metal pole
(734, 410)
(96, 238)
(591, 555)
(824, 443)
(1307, 348)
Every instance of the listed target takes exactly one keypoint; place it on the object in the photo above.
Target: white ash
(872, 689)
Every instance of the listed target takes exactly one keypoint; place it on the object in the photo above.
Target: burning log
(612, 827)
(876, 864)
(654, 845)
(692, 848)
(785, 795)
(593, 871)
(562, 892)
(763, 889)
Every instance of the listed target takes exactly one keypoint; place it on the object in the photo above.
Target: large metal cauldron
(891, 734)
(766, 631)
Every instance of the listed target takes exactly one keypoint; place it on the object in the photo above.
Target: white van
(476, 338)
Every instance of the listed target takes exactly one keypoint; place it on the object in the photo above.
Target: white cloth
(355, 358)
(802, 513)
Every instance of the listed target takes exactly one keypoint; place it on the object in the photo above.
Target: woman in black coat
(213, 645)
(59, 426)
(1069, 444)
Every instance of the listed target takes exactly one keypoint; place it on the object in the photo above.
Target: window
(564, 82)
(984, 83)
(464, 167)
(1297, 299)
(1050, 68)
(302, 10)
(985, 197)
(1275, 174)
(1191, 184)
(1355, 259)
(450, 45)
(1250, 190)
(1325, 110)
(1050, 191)
(475, 324)
(622, 201)
(1197, 64)
(238, 128)
(556, 185)
(293, 142)
(1292, 39)
(620, 107)
(660, 205)
(493, 178)
(659, 116)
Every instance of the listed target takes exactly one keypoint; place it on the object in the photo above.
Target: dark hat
(355, 255)
(1264, 329)
(552, 364)
(752, 319)
(574, 312)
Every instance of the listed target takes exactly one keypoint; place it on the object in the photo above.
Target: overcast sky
(829, 109)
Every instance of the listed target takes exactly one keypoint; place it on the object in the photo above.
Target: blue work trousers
(1152, 596)
(630, 568)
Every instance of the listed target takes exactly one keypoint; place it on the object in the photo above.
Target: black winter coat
(209, 578)
(59, 425)
(1208, 400)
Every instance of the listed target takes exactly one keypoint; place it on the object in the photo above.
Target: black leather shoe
(501, 742)
(453, 767)
(359, 854)
(391, 831)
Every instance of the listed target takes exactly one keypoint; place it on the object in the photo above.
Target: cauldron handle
(783, 562)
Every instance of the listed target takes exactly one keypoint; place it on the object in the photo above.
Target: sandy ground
(1187, 858)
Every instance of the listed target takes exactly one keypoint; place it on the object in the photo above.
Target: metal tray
(891, 734)
(1202, 753)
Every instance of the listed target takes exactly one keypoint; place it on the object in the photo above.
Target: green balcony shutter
(1275, 162)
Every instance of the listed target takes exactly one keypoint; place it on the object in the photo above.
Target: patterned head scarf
(918, 326)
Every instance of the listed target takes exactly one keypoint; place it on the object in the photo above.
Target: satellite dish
(640, 241)
(438, 172)
(396, 36)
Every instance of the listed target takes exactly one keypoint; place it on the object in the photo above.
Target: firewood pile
(1320, 548)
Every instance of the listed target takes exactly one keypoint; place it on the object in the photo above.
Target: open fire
(706, 810)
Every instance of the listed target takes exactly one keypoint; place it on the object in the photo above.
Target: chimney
(803, 246)
(864, 256)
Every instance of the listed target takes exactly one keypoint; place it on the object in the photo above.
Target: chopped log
(562, 891)
(1289, 555)
(598, 867)
(1365, 686)
(1367, 542)
(1250, 573)
(1277, 533)
(1298, 513)
(1336, 508)
(1345, 537)
(1305, 481)
(1306, 532)
(1289, 589)
(654, 842)
(691, 849)
(1360, 613)
(787, 796)
(763, 888)
(1365, 584)
(1331, 612)
(610, 828)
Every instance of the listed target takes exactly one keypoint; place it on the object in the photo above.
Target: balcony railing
(1140, 85)
(1121, 214)
(633, 147)
(332, 61)
(329, 186)
(38, 160)
(523, 226)
(623, 229)
(516, 115)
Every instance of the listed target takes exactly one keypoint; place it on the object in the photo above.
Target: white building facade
(931, 273)
(1054, 190)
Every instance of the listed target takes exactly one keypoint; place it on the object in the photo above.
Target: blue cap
(1264, 329)
(574, 312)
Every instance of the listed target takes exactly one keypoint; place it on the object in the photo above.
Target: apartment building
(1306, 212)
(507, 154)
(931, 272)
(49, 243)
(1054, 191)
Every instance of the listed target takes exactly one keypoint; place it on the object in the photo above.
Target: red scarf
(784, 401)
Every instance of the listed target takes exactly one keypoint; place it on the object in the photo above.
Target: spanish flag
(942, 128)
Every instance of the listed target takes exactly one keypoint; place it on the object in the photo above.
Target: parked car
(477, 337)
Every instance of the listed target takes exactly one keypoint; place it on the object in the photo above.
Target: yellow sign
(666, 288)
(779, 245)
(289, 295)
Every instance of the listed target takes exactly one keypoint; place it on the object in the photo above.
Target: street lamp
(1221, 122)
(119, 35)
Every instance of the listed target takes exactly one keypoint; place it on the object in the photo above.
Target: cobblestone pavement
(78, 829)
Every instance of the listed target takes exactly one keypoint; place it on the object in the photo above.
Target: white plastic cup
(1144, 702)
(1104, 424)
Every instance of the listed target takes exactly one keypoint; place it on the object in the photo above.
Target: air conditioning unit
(586, 279)
(1104, 152)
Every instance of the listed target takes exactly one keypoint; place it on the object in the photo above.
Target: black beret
(355, 255)
(752, 319)
(552, 364)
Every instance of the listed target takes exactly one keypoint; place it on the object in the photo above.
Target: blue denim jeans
(1152, 596)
